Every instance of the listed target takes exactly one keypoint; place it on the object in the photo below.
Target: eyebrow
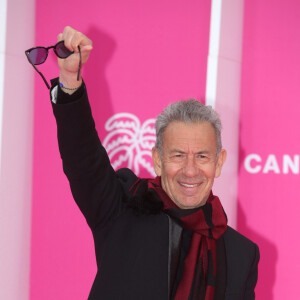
(176, 151)
(183, 152)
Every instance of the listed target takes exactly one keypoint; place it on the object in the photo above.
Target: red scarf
(208, 223)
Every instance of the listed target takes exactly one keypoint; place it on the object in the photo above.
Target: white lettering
(247, 163)
(289, 164)
(271, 165)
(254, 164)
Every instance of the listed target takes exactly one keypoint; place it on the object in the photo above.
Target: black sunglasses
(38, 55)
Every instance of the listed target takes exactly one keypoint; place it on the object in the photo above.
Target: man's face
(189, 162)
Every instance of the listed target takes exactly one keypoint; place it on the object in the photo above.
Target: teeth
(189, 185)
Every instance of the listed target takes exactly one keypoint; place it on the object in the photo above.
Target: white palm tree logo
(130, 142)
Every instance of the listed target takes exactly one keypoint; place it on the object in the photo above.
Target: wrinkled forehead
(191, 134)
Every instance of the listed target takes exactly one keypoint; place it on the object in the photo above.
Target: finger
(74, 38)
(86, 49)
(79, 39)
(59, 37)
(67, 36)
(85, 53)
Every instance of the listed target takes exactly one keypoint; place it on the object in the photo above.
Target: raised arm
(94, 184)
(68, 68)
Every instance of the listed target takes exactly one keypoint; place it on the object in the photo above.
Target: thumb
(86, 48)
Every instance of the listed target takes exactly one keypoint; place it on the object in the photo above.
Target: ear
(220, 162)
(156, 161)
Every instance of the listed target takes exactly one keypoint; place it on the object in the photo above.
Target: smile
(189, 185)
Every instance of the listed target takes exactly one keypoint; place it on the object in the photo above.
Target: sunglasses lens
(62, 51)
(38, 55)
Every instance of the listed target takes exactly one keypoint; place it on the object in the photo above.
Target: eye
(202, 157)
(177, 157)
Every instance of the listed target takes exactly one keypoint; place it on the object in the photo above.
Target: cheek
(170, 170)
(208, 171)
(211, 172)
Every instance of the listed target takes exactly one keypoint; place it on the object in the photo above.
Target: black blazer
(132, 250)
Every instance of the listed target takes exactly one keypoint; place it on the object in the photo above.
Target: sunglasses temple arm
(79, 67)
(38, 71)
(42, 77)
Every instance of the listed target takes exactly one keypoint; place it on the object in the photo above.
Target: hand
(69, 67)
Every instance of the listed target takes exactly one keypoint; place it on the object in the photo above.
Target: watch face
(54, 94)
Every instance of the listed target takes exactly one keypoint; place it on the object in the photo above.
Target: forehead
(195, 135)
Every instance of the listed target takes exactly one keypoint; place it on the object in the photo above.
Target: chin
(189, 204)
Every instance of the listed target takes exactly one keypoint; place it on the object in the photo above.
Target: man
(163, 238)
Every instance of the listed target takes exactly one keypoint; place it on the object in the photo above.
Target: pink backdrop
(268, 210)
(146, 55)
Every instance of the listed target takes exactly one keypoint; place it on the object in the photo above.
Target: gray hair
(187, 111)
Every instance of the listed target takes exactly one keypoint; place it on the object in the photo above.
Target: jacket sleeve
(242, 257)
(253, 275)
(94, 184)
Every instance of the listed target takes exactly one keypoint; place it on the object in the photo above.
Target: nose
(190, 168)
